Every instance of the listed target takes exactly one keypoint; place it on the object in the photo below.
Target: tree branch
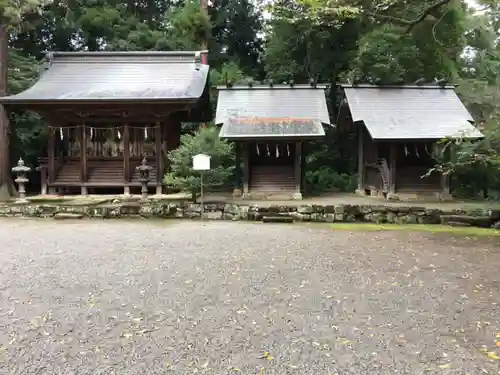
(410, 24)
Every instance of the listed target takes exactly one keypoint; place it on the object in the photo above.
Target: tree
(334, 12)
(11, 17)
(236, 25)
(204, 141)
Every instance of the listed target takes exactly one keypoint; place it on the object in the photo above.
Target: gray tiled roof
(410, 112)
(278, 111)
(85, 76)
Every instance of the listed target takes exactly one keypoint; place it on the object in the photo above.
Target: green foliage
(326, 179)
(204, 141)
(236, 25)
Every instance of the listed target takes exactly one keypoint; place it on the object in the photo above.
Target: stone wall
(225, 211)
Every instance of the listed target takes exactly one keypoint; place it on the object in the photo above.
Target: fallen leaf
(267, 356)
(497, 343)
(446, 365)
(493, 355)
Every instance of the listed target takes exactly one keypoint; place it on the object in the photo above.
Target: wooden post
(237, 170)
(246, 169)
(52, 156)
(43, 173)
(83, 158)
(159, 159)
(126, 158)
(361, 160)
(298, 171)
(392, 168)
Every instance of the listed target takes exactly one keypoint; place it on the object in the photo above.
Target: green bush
(325, 179)
(204, 141)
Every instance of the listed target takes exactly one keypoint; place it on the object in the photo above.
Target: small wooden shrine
(399, 128)
(106, 111)
(269, 125)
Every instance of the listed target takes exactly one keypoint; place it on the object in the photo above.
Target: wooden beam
(237, 169)
(126, 152)
(246, 169)
(159, 159)
(83, 153)
(298, 170)
(361, 160)
(51, 155)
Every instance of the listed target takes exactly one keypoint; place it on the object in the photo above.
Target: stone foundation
(242, 211)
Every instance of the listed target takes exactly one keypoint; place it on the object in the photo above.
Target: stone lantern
(144, 171)
(20, 170)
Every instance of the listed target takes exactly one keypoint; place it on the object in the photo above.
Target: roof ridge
(122, 53)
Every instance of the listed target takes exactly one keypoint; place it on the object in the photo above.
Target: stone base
(376, 213)
(237, 193)
(392, 197)
(444, 196)
(84, 190)
(126, 190)
(361, 192)
(159, 190)
(297, 196)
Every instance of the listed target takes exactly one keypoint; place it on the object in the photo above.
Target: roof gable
(410, 112)
(115, 76)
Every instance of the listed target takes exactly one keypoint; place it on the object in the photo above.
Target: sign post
(201, 162)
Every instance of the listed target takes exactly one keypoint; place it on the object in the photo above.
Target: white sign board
(201, 162)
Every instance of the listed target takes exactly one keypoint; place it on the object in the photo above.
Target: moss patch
(372, 227)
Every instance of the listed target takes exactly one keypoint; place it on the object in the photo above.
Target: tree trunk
(6, 184)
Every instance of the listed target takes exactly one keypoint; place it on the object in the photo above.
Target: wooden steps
(101, 173)
(106, 171)
(272, 179)
(408, 179)
(69, 173)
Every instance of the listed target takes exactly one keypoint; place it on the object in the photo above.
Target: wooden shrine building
(269, 125)
(398, 130)
(107, 110)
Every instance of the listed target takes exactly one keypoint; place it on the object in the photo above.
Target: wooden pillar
(361, 160)
(159, 159)
(43, 177)
(246, 169)
(52, 157)
(237, 170)
(126, 158)
(298, 171)
(392, 168)
(83, 158)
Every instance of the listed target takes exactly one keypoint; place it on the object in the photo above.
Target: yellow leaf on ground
(497, 343)
(493, 355)
(446, 365)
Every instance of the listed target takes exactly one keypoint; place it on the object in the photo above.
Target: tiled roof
(410, 112)
(114, 76)
(277, 111)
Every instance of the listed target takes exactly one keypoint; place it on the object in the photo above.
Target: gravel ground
(126, 297)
